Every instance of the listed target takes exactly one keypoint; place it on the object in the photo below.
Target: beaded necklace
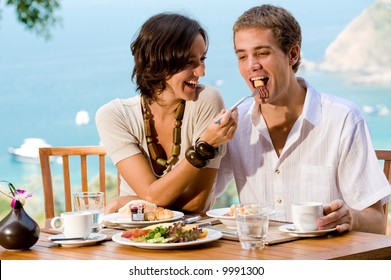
(151, 141)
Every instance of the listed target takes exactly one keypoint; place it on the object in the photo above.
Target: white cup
(252, 222)
(73, 224)
(92, 202)
(306, 214)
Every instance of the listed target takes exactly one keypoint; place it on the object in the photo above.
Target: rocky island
(363, 49)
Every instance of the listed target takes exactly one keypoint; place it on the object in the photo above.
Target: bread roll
(162, 214)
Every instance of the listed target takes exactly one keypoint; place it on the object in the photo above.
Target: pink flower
(16, 194)
(21, 196)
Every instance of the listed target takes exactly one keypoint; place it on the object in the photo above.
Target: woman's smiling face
(184, 83)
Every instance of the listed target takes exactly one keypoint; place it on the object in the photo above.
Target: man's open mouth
(259, 81)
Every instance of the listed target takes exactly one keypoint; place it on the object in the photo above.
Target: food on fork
(263, 92)
(141, 210)
(258, 83)
(166, 233)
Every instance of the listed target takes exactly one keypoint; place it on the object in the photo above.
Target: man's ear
(294, 55)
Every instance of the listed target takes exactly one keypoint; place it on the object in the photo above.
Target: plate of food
(139, 213)
(291, 230)
(225, 215)
(166, 236)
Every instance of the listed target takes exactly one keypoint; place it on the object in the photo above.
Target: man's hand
(336, 215)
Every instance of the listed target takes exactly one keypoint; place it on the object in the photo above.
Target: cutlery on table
(191, 219)
(68, 239)
(73, 238)
(255, 92)
(225, 230)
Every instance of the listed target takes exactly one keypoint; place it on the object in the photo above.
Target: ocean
(43, 84)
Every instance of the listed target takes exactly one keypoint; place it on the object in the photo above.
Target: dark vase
(18, 231)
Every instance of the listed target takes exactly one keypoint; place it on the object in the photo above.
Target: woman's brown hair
(162, 49)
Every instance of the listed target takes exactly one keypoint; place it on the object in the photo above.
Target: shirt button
(277, 171)
(279, 200)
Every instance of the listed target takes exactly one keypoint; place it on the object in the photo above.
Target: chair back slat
(84, 175)
(47, 181)
(67, 183)
(81, 152)
(385, 157)
(102, 175)
(387, 170)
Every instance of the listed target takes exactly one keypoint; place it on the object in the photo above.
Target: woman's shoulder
(211, 95)
(118, 104)
(117, 109)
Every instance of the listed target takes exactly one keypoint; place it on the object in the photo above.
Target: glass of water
(252, 220)
(92, 202)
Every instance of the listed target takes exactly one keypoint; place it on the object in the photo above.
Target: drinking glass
(252, 220)
(92, 202)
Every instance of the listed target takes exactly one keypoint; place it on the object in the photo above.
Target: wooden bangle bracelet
(205, 150)
(195, 159)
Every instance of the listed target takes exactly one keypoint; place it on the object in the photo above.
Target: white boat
(380, 110)
(368, 109)
(29, 151)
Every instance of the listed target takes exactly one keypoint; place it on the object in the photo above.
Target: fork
(74, 238)
(255, 92)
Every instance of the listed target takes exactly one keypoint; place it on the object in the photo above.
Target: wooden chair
(385, 157)
(47, 154)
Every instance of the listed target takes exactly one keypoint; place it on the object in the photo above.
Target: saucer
(92, 239)
(290, 228)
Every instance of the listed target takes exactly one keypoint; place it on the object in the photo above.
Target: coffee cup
(306, 214)
(73, 224)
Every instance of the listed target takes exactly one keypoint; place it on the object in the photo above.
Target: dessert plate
(290, 228)
(212, 236)
(116, 219)
(224, 216)
(92, 239)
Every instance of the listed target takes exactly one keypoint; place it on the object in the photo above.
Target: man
(296, 144)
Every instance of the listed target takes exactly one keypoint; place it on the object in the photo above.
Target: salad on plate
(166, 233)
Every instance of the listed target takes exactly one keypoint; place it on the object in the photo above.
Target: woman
(161, 140)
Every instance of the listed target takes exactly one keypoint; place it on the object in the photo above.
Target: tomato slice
(135, 233)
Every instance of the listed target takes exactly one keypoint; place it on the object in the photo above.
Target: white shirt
(328, 155)
(120, 125)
